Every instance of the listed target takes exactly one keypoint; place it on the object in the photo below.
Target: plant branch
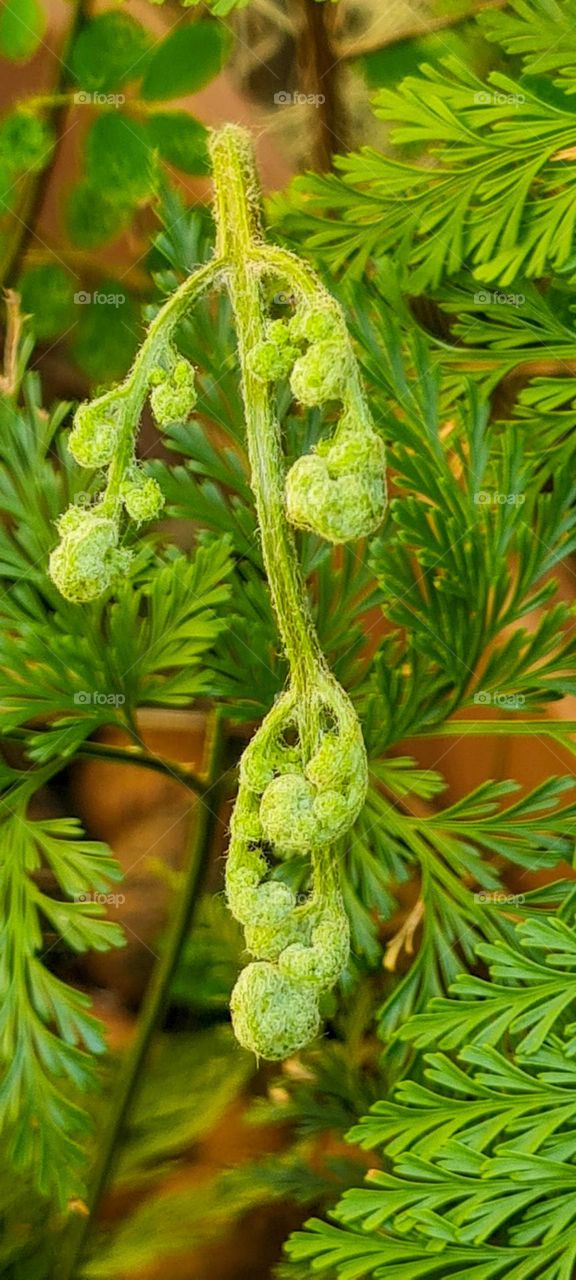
(357, 47)
(135, 755)
(14, 320)
(457, 728)
(240, 247)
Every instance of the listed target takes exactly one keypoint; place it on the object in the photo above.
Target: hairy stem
(159, 333)
(154, 1003)
(240, 248)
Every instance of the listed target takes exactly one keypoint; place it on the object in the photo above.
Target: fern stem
(154, 1002)
(126, 755)
(240, 249)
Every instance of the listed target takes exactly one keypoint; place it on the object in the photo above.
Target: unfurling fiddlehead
(303, 776)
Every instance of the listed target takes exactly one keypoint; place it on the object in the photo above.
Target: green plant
(304, 795)
(333, 628)
(481, 1149)
(114, 73)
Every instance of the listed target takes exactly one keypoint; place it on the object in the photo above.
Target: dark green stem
(154, 1004)
(126, 755)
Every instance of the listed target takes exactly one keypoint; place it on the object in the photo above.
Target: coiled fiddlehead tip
(321, 963)
(94, 435)
(316, 324)
(88, 560)
(339, 492)
(272, 1016)
(320, 374)
(297, 818)
(142, 497)
(173, 394)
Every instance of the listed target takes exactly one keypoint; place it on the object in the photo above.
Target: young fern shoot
(303, 777)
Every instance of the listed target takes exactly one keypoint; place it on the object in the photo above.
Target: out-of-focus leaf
(119, 158)
(22, 25)
(191, 1081)
(47, 293)
(93, 217)
(26, 142)
(186, 60)
(107, 335)
(181, 140)
(109, 51)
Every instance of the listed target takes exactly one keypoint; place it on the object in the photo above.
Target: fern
(479, 1157)
(451, 1036)
(48, 1035)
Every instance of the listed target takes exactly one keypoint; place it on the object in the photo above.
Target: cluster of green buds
(339, 490)
(89, 560)
(290, 803)
(173, 394)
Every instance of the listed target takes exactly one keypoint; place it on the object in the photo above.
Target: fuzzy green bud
(94, 436)
(321, 963)
(272, 1016)
(320, 374)
(173, 398)
(88, 560)
(295, 817)
(270, 361)
(278, 332)
(142, 497)
(315, 324)
(339, 492)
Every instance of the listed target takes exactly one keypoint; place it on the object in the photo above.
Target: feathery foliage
(450, 1041)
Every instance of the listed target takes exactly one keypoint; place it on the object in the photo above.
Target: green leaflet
(479, 1175)
(47, 1033)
